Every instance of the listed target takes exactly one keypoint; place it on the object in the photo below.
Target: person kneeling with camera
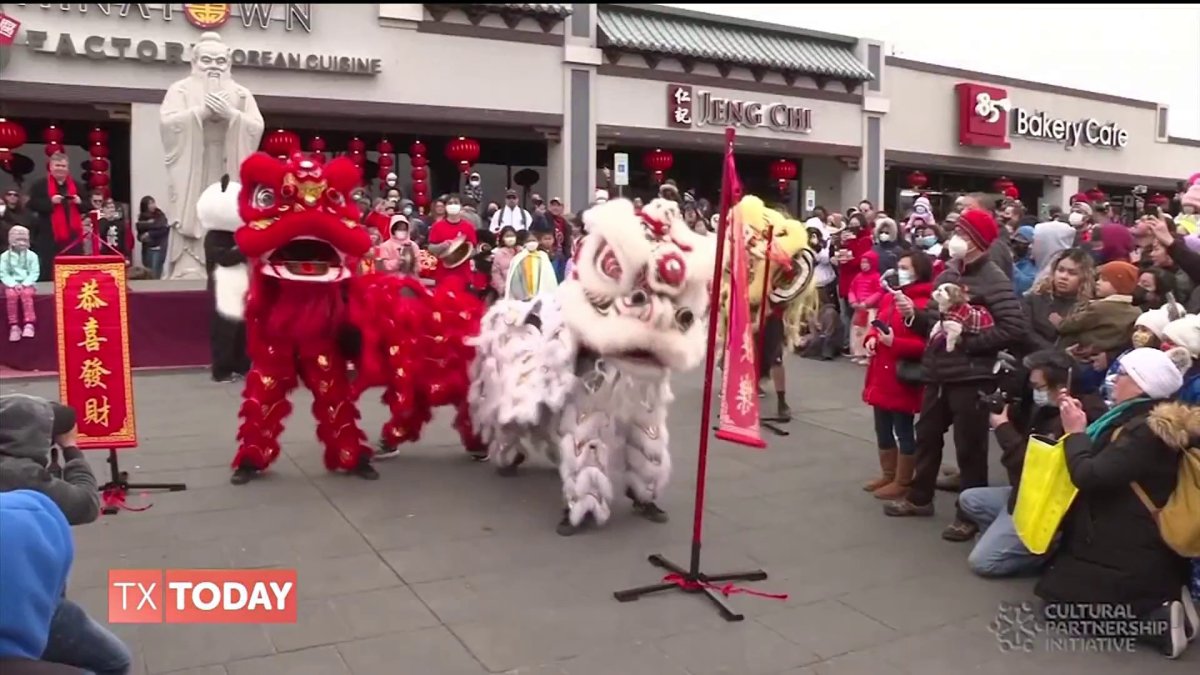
(999, 552)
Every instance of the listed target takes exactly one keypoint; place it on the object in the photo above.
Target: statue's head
(639, 293)
(211, 57)
(299, 221)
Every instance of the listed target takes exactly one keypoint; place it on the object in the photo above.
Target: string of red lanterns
(386, 161)
(316, 148)
(658, 162)
(782, 171)
(464, 152)
(12, 136)
(53, 137)
(1096, 195)
(98, 150)
(420, 175)
(356, 152)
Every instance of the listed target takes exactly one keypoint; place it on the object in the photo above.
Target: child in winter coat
(19, 271)
(865, 293)
(398, 255)
(507, 246)
(1106, 324)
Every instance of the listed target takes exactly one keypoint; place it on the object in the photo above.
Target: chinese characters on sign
(8, 30)
(93, 349)
(687, 108)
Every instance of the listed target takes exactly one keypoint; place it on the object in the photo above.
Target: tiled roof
(537, 9)
(671, 34)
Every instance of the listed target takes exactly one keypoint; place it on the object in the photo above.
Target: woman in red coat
(896, 404)
(853, 242)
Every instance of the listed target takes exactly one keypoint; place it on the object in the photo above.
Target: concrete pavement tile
(638, 658)
(207, 670)
(316, 624)
(546, 669)
(168, 647)
(337, 540)
(926, 602)
(324, 577)
(735, 649)
(544, 636)
(316, 661)
(859, 663)
(433, 651)
(381, 611)
(449, 559)
(827, 628)
(227, 497)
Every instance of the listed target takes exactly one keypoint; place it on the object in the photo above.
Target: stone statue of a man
(209, 124)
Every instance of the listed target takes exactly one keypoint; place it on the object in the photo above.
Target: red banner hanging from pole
(94, 375)
(739, 379)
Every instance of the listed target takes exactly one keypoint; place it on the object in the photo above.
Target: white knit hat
(1152, 371)
(1184, 332)
(1156, 320)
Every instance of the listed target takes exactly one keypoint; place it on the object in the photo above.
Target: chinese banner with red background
(94, 375)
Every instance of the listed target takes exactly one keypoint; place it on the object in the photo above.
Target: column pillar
(574, 160)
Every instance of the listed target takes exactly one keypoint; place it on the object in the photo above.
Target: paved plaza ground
(444, 568)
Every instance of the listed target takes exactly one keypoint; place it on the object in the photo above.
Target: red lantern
(318, 157)
(383, 174)
(98, 136)
(917, 180)
(356, 145)
(421, 200)
(281, 143)
(52, 148)
(417, 148)
(1161, 200)
(317, 144)
(420, 173)
(464, 152)
(1011, 192)
(781, 171)
(12, 136)
(1002, 183)
(658, 161)
(98, 180)
(98, 151)
(419, 162)
(357, 157)
(100, 165)
(386, 162)
(54, 135)
(1097, 195)
(385, 147)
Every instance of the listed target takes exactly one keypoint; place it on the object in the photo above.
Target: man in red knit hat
(953, 379)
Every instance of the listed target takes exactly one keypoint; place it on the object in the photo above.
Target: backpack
(1179, 519)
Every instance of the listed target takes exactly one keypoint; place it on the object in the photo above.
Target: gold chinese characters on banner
(91, 309)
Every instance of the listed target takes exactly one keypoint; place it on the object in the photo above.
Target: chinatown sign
(687, 108)
(987, 117)
(100, 48)
(205, 16)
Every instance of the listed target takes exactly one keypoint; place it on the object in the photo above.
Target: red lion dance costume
(308, 316)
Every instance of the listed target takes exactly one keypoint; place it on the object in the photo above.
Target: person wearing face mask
(887, 243)
(953, 379)
(507, 246)
(1184, 333)
(1080, 218)
(850, 245)
(531, 272)
(1154, 286)
(452, 241)
(398, 255)
(999, 552)
(1171, 253)
(1024, 269)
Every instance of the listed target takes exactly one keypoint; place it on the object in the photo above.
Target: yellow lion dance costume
(790, 287)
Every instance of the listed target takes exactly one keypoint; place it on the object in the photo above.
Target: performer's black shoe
(385, 451)
(511, 470)
(364, 470)
(647, 510)
(243, 474)
(784, 412)
(566, 529)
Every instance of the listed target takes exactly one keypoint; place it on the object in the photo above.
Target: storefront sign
(8, 30)
(100, 48)
(94, 375)
(205, 16)
(687, 108)
(987, 118)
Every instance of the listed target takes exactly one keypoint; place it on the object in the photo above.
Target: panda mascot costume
(228, 279)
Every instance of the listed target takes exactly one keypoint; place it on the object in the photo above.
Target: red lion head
(300, 221)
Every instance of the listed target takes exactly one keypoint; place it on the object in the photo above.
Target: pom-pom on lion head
(639, 293)
(300, 221)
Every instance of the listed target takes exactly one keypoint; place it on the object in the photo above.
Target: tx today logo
(987, 115)
(202, 596)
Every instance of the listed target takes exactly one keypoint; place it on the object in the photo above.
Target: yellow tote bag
(1045, 494)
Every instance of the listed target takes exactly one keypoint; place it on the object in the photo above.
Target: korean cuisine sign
(92, 313)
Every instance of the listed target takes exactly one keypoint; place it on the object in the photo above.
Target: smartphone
(1152, 211)
(881, 326)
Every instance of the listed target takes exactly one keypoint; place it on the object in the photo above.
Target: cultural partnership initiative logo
(1019, 627)
(202, 596)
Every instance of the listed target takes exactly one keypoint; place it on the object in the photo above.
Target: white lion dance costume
(583, 373)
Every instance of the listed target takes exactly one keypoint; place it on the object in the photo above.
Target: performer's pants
(227, 341)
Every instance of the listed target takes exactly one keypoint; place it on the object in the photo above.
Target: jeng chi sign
(687, 108)
(987, 117)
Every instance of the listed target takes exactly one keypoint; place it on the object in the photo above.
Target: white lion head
(639, 293)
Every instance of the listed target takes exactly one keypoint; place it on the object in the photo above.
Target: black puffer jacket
(973, 360)
(1111, 550)
(1043, 334)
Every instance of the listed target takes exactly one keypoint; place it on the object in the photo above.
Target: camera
(1005, 368)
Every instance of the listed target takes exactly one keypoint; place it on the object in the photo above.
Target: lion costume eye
(335, 197)
(263, 198)
(684, 318)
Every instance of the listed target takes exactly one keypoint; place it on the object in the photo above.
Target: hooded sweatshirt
(1048, 239)
(25, 440)
(34, 563)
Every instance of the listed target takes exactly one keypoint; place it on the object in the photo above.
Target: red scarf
(64, 216)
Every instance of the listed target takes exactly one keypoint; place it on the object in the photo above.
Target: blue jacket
(34, 563)
(19, 268)
(1024, 273)
(1190, 391)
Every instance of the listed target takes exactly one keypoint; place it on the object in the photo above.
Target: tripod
(118, 485)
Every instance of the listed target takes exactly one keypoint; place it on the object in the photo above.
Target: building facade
(560, 89)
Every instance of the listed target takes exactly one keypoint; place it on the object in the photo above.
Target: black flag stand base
(692, 582)
(119, 481)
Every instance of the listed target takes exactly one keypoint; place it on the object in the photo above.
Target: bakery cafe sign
(988, 117)
(688, 108)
